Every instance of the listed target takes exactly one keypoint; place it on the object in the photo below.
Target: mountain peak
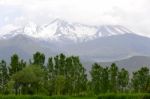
(59, 29)
(30, 28)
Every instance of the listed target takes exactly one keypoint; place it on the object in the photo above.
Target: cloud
(133, 14)
(7, 28)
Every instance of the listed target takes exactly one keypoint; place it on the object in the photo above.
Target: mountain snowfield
(60, 30)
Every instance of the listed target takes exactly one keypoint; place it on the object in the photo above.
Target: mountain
(23, 45)
(60, 30)
(102, 43)
(111, 48)
(132, 63)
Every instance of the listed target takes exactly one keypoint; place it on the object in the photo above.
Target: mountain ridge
(59, 30)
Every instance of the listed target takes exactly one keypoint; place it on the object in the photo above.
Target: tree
(29, 80)
(105, 80)
(96, 74)
(59, 84)
(50, 69)
(72, 71)
(113, 77)
(62, 60)
(80, 77)
(141, 80)
(38, 59)
(123, 80)
(14, 64)
(22, 64)
(50, 76)
(3, 76)
(57, 65)
(69, 76)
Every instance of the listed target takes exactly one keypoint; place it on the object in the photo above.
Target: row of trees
(65, 75)
(112, 80)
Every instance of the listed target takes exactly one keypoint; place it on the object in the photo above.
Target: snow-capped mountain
(62, 30)
(91, 43)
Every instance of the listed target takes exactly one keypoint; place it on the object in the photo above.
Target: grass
(44, 97)
(124, 96)
(102, 96)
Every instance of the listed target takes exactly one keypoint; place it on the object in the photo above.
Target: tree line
(65, 75)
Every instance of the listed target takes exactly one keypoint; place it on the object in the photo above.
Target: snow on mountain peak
(30, 28)
(60, 30)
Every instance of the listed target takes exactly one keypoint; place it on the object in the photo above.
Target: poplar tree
(3, 76)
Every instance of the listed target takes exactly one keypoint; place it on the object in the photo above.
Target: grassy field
(104, 96)
(124, 96)
(45, 97)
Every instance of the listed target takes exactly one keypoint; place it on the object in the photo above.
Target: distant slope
(24, 46)
(111, 48)
(132, 63)
(97, 50)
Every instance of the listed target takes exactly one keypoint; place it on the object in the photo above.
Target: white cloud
(7, 28)
(6, 19)
(130, 13)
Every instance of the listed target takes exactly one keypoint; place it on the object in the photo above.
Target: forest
(63, 75)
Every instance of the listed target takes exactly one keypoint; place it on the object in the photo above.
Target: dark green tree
(50, 68)
(123, 80)
(4, 76)
(73, 72)
(141, 80)
(50, 75)
(105, 80)
(69, 76)
(14, 64)
(113, 72)
(79, 75)
(22, 64)
(62, 61)
(57, 65)
(96, 78)
(39, 59)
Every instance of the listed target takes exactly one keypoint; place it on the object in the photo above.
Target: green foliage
(65, 75)
(59, 84)
(3, 76)
(96, 74)
(123, 80)
(29, 80)
(38, 59)
(16, 65)
(141, 80)
(113, 78)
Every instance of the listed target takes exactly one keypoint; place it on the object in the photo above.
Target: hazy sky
(133, 14)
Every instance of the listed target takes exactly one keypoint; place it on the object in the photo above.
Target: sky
(133, 14)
